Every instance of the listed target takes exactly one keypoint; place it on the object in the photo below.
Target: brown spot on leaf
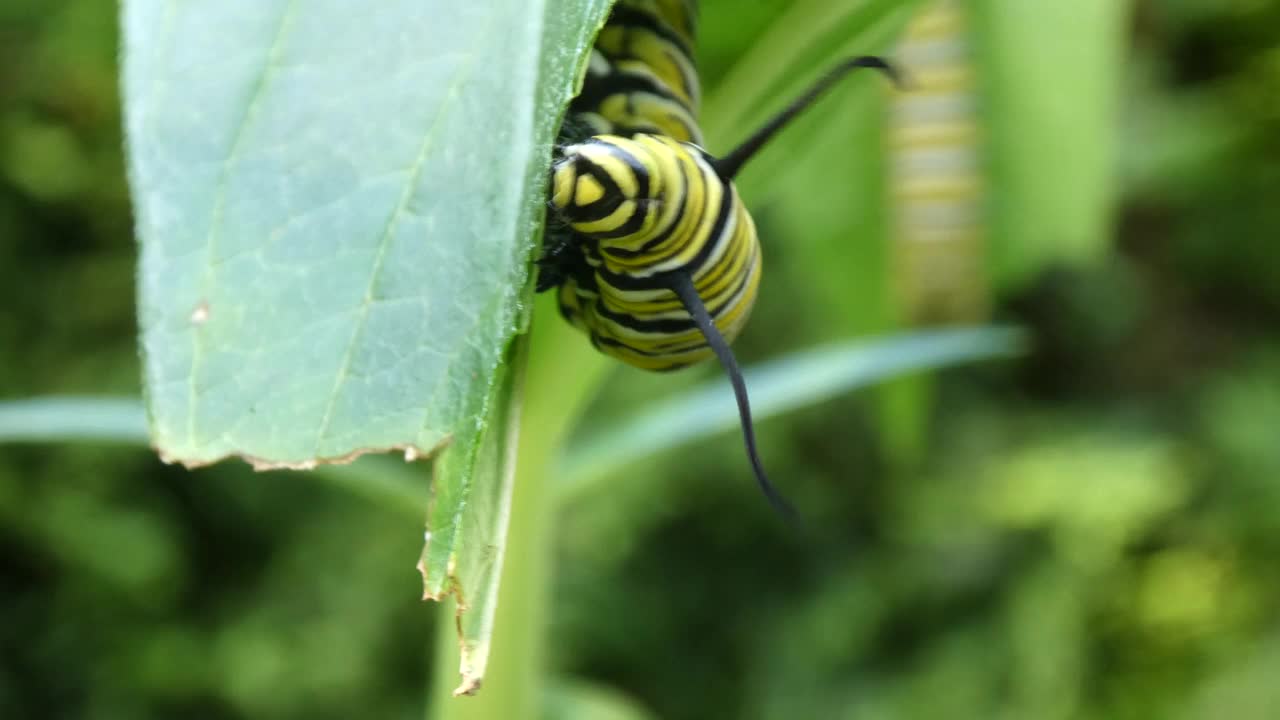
(263, 464)
(200, 315)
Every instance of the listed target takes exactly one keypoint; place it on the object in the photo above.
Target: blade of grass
(391, 483)
(71, 418)
(767, 75)
(792, 382)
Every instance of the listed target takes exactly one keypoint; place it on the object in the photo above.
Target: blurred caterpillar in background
(936, 180)
(654, 255)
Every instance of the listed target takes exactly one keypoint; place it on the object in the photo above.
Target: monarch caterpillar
(936, 175)
(655, 256)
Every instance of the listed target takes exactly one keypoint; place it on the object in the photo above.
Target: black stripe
(638, 170)
(666, 233)
(600, 209)
(624, 281)
(599, 89)
(613, 195)
(657, 25)
(629, 18)
(662, 326)
(720, 269)
(743, 277)
(630, 226)
(611, 342)
(668, 326)
(611, 192)
(691, 132)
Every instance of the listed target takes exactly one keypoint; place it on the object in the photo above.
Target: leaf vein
(401, 210)
(220, 198)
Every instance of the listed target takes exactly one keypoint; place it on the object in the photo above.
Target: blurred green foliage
(1088, 533)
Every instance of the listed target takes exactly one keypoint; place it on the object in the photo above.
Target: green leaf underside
(794, 381)
(336, 210)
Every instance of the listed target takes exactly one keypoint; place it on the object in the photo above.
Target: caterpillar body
(654, 255)
(936, 173)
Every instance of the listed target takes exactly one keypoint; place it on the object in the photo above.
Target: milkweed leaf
(337, 206)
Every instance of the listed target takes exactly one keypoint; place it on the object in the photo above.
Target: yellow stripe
(955, 133)
(941, 78)
(940, 21)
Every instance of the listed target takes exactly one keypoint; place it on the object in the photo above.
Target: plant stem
(560, 378)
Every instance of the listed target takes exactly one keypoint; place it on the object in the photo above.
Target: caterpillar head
(612, 187)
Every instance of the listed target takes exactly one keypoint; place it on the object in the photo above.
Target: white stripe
(934, 160)
(927, 109)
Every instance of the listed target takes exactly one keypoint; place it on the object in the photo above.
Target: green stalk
(750, 91)
(561, 376)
